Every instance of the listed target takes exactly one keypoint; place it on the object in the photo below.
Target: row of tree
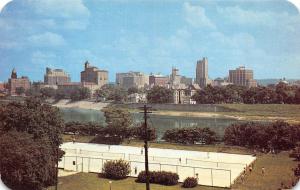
(75, 94)
(278, 135)
(276, 94)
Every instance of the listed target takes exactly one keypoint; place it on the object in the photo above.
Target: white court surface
(211, 168)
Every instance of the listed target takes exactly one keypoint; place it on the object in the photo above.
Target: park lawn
(278, 169)
(287, 112)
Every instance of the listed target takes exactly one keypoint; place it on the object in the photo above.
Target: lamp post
(110, 182)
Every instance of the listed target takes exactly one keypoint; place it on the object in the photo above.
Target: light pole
(110, 182)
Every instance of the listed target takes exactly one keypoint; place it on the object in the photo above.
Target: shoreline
(239, 116)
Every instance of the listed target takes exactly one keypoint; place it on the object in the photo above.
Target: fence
(136, 157)
(239, 166)
(206, 176)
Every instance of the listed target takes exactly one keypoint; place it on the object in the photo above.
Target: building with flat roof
(158, 80)
(94, 75)
(202, 72)
(14, 82)
(242, 77)
(132, 79)
(56, 77)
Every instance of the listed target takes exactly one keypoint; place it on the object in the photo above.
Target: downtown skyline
(150, 37)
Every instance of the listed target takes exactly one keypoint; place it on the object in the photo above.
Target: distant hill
(265, 82)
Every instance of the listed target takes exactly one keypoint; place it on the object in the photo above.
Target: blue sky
(150, 36)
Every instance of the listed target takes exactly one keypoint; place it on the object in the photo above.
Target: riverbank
(89, 105)
(248, 112)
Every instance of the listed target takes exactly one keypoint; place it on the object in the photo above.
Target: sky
(150, 36)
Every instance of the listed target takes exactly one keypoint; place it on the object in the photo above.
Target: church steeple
(14, 74)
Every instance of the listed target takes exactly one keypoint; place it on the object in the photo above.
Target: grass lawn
(288, 112)
(278, 169)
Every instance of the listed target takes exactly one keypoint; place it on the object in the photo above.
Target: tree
(100, 94)
(118, 121)
(41, 126)
(48, 92)
(133, 90)
(20, 90)
(80, 94)
(160, 95)
(115, 117)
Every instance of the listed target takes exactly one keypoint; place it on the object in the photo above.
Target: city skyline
(150, 37)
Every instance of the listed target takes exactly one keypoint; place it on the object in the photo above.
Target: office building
(242, 77)
(56, 77)
(202, 72)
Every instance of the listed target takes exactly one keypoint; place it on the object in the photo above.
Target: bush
(116, 169)
(159, 177)
(278, 135)
(190, 182)
(190, 135)
(295, 153)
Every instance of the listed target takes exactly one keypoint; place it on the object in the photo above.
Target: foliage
(160, 95)
(190, 135)
(39, 127)
(190, 182)
(133, 90)
(295, 153)
(115, 117)
(116, 169)
(159, 177)
(278, 135)
(139, 133)
(20, 90)
(279, 94)
(80, 94)
(48, 92)
(100, 94)
(90, 128)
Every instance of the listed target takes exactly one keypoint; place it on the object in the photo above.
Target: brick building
(92, 74)
(14, 82)
(242, 77)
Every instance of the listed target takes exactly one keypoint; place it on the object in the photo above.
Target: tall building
(56, 77)
(92, 74)
(14, 82)
(132, 79)
(242, 77)
(175, 78)
(158, 80)
(202, 72)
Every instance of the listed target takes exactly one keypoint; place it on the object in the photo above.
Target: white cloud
(242, 16)
(59, 8)
(48, 39)
(195, 16)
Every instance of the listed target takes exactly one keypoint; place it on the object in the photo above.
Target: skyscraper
(242, 77)
(202, 72)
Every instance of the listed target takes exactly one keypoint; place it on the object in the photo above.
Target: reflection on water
(160, 122)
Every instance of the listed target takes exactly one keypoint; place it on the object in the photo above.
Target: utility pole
(146, 138)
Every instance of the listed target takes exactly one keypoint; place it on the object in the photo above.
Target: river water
(160, 122)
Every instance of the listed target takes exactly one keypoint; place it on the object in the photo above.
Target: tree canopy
(30, 135)
(160, 95)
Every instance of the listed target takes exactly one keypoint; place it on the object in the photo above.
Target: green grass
(278, 169)
(288, 112)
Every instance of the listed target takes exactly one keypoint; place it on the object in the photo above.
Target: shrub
(295, 153)
(116, 169)
(190, 135)
(278, 135)
(190, 182)
(159, 177)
